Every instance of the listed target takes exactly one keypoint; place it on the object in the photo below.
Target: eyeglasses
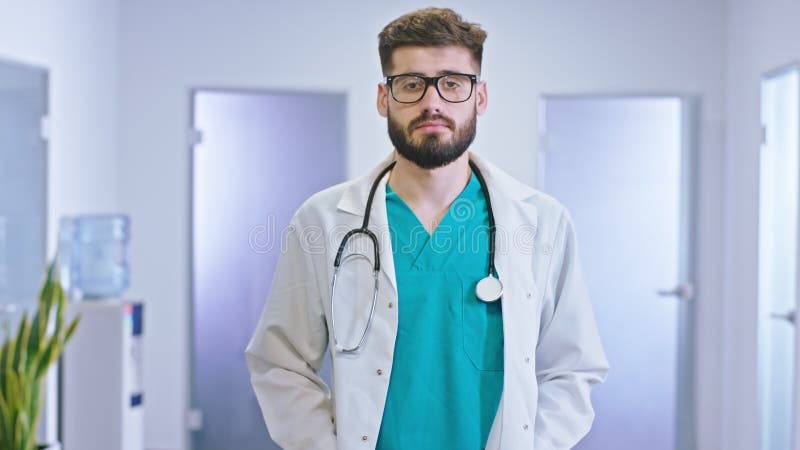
(453, 87)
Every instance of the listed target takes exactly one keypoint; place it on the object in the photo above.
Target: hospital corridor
(389, 225)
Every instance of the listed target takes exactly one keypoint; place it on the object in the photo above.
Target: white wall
(539, 47)
(761, 36)
(77, 42)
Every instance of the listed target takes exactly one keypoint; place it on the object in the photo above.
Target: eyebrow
(439, 73)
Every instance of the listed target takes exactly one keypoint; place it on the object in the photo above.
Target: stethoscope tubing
(338, 261)
(375, 271)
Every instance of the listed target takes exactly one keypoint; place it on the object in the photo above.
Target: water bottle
(98, 259)
(66, 246)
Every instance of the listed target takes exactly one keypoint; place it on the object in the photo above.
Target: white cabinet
(102, 397)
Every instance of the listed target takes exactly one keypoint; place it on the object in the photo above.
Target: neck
(429, 189)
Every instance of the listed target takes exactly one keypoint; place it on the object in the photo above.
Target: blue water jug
(96, 262)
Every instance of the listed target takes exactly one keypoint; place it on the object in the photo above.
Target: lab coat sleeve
(286, 353)
(569, 355)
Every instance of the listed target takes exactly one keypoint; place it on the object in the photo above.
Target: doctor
(427, 358)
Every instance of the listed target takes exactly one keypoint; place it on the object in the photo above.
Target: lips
(432, 125)
(432, 122)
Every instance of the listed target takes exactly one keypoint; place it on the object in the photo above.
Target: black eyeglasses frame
(435, 82)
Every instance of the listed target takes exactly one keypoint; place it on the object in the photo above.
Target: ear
(383, 99)
(482, 97)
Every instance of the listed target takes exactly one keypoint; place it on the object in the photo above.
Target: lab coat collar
(509, 199)
(354, 199)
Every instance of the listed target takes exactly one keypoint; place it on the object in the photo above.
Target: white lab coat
(552, 355)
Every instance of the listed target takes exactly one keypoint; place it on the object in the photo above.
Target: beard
(432, 152)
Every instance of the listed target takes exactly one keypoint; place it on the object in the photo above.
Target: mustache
(427, 117)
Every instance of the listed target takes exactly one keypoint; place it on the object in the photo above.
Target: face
(432, 132)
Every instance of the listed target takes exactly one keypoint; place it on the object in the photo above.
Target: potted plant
(25, 357)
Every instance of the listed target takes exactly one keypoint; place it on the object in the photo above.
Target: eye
(409, 83)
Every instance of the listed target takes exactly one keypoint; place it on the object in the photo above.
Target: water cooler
(102, 400)
(102, 404)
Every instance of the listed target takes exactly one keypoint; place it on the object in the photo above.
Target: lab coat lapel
(515, 218)
(354, 201)
(380, 221)
(516, 222)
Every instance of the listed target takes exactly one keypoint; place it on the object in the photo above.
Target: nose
(432, 101)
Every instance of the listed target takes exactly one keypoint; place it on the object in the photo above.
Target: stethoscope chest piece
(489, 289)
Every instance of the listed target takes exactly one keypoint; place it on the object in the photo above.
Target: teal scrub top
(447, 376)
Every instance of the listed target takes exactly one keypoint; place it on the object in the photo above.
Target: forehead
(432, 60)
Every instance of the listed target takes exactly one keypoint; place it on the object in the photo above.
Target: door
(777, 260)
(622, 166)
(23, 181)
(257, 157)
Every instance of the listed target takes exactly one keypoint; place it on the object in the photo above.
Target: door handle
(683, 291)
(789, 316)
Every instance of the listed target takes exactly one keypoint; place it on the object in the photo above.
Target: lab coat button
(528, 294)
(391, 304)
(525, 427)
(527, 360)
(379, 372)
(364, 437)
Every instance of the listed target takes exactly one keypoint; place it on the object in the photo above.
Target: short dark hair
(430, 27)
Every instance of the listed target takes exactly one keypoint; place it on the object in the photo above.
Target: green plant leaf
(24, 360)
(4, 350)
(19, 349)
(23, 346)
(22, 432)
(25, 438)
(71, 330)
(36, 403)
(60, 306)
(35, 335)
(11, 356)
(17, 433)
(47, 298)
(8, 360)
(14, 397)
(13, 400)
(6, 429)
(46, 292)
(50, 350)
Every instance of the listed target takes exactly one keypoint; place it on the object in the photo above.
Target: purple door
(257, 157)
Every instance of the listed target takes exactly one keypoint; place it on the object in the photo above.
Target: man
(428, 360)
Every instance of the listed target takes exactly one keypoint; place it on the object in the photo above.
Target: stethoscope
(489, 289)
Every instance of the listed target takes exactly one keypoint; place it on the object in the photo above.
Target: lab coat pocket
(482, 328)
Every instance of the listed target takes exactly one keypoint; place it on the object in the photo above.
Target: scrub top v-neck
(447, 375)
